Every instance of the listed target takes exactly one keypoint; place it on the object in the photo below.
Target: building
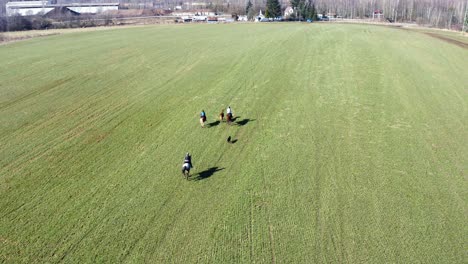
(92, 8)
(377, 15)
(31, 8)
(260, 16)
(27, 8)
(60, 12)
(288, 12)
(192, 13)
(243, 18)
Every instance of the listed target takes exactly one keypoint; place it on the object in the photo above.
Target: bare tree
(435, 13)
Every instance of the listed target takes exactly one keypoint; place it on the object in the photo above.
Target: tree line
(451, 14)
(436, 13)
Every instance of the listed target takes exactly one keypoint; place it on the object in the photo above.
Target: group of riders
(221, 116)
(188, 158)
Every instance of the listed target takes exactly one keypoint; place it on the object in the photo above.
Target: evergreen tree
(248, 7)
(295, 3)
(313, 13)
(310, 11)
(465, 23)
(304, 9)
(251, 14)
(273, 8)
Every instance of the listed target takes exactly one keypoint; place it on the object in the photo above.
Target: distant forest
(435, 13)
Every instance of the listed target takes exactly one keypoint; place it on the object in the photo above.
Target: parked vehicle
(199, 18)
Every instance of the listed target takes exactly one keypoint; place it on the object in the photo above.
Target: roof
(61, 11)
(26, 4)
(32, 4)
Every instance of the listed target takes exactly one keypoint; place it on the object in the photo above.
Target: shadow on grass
(234, 141)
(207, 173)
(212, 124)
(244, 121)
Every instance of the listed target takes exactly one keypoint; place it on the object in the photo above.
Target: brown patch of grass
(8, 37)
(43, 89)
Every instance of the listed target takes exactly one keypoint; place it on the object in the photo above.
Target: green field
(351, 146)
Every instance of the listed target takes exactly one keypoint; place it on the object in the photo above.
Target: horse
(186, 170)
(221, 115)
(202, 121)
(229, 118)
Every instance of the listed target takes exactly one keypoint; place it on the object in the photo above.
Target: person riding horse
(187, 164)
(229, 114)
(202, 118)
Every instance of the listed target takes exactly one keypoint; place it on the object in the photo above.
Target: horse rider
(202, 118)
(187, 162)
(229, 114)
(229, 111)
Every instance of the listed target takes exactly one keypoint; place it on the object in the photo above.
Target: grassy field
(351, 146)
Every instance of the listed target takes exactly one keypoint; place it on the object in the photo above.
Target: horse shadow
(231, 141)
(207, 173)
(244, 121)
(212, 124)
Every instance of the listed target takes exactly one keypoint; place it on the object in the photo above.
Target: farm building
(191, 13)
(31, 8)
(92, 8)
(27, 8)
(60, 12)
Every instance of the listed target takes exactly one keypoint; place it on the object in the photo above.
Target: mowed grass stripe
(350, 153)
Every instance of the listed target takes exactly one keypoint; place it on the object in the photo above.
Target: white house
(242, 18)
(288, 12)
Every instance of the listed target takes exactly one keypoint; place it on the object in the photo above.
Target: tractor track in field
(112, 210)
(152, 220)
(272, 243)
(73, 133)
(448, 40)
(55, 146)
(43, 89)
(50, 146)
(458, 43)
(137, 185)
(94, 175)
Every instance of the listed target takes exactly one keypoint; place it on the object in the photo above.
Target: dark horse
(186, 170)
(229, 118)
(221, 115)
